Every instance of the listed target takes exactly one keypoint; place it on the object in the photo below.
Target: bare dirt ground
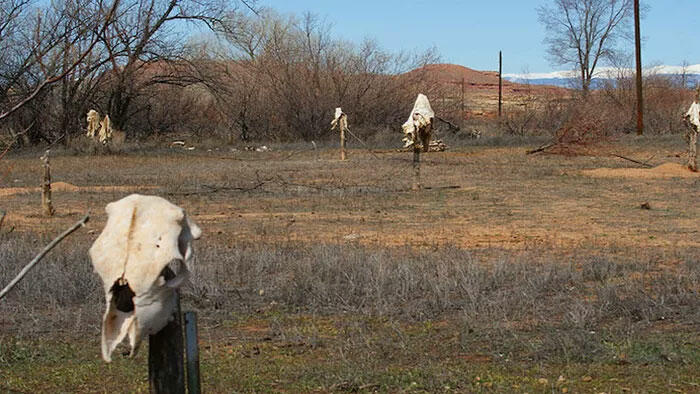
(474, 197)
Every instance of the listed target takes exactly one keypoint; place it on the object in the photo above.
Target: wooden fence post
(46, 205)
(192, 352)
(416, 167)
(166, 373)
(342, 139)
(693, 150)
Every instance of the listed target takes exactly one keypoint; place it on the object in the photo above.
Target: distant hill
(481, 88)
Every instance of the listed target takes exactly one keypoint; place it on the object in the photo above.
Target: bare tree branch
(43, 253)
(583, 33)
(51, 80)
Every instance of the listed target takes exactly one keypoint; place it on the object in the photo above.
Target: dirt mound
(666, 170)
(64, 187)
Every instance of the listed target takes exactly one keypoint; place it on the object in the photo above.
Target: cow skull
(142, 256)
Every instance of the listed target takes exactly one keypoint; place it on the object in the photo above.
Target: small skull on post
(418, 132)
(340, 121)
(93, 123)
(419, 126)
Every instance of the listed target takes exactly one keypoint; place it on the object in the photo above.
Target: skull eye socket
(123, 296)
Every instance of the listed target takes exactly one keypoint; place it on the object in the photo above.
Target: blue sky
(471, 33)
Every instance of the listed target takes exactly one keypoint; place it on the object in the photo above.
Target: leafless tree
(285, 75)
(36, 44)
(145, 48)
(583, 33)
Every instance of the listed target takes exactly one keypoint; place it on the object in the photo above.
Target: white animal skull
(340, 120)
(419, 120)
(105, 133)
(142, 257)
(93, 123)
(693, 115)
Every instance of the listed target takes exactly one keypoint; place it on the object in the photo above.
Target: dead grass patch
(319, 274)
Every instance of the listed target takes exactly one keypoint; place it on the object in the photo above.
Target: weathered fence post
(166, 373)
(693, 150)
(192, 352)
(416, 167)
(46, 205)
(342, 142)
(318, 157)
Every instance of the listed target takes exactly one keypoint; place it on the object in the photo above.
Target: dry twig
(41, 254)
(541, 148)
(641, 163)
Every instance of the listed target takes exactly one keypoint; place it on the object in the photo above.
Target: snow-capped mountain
(690, 73)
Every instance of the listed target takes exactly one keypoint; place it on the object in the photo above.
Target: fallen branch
(641, 163)
(541, 148)
(442, 187)
(2, 217)
(41, 255)
(451, 125)
(6, 150)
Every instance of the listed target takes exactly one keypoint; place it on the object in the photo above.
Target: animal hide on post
(340, 121)
(693, 117)
(418, 128)
(142, 257)
(105, 134)
(93, 123)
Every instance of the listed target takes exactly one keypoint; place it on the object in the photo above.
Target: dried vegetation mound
(666, 170)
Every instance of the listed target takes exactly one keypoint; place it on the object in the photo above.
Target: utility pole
(462, 96)
(638, 50)
(500, 82)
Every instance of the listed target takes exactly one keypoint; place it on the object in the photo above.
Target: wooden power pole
(462, 97)
(638, 50)
(500, 82)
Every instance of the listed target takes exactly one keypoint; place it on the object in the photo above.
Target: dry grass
(306, 260)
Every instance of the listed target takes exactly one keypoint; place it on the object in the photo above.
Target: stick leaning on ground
(41, 254)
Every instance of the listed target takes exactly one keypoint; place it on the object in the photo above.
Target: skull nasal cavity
(123, 296)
